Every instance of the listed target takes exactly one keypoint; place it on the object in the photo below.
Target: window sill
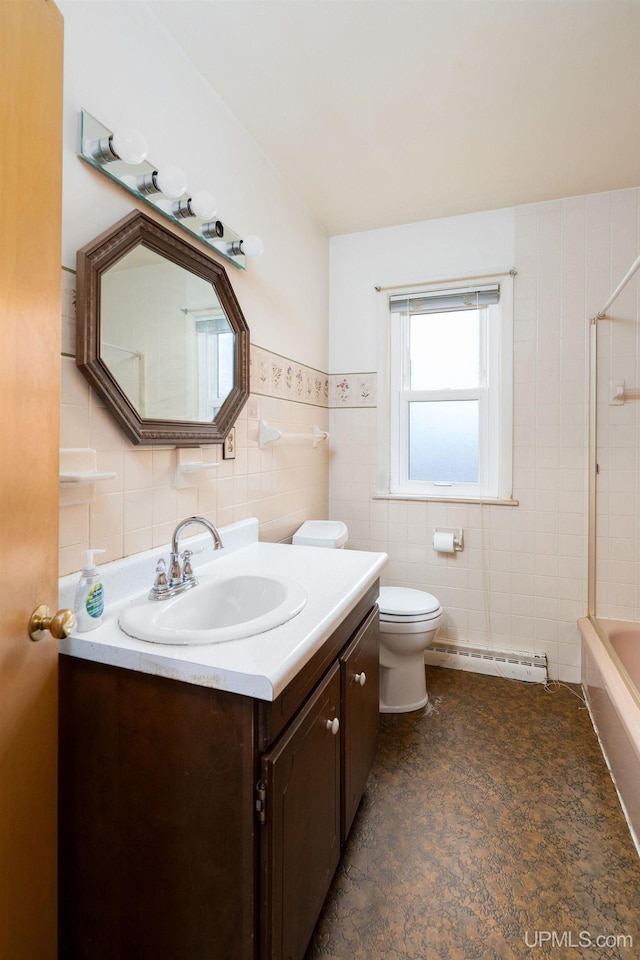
(492, 501)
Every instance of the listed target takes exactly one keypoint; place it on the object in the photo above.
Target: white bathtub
(611, 683)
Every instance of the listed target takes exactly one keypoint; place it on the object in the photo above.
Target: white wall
(412, 253)
(122, 67)
(521, 581)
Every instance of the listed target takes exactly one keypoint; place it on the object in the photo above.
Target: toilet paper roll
(443, 542)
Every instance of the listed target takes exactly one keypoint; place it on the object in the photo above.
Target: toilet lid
(405, 602)
(321, 533)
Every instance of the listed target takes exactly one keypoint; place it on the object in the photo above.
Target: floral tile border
(353, 390)
(271, 374)
(276, 376)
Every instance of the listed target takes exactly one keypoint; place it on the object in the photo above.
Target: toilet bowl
(409, 621)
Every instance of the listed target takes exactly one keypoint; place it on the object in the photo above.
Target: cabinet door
(300, 844)
(157, 827)
(360, 670)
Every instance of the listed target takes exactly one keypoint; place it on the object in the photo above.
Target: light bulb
(252, 246)
(203, 205)
(128, 145)
(172, 181)
(169, 180)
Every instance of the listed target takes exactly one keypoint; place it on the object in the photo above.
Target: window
(215, 344)
(450, 391)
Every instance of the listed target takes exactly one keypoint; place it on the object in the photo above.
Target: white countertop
(260, 666)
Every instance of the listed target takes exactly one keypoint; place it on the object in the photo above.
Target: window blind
(213, 325)
(443, 301)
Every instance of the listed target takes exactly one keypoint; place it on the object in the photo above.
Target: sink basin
(217, 610)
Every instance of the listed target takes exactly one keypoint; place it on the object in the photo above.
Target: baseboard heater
(512, 664)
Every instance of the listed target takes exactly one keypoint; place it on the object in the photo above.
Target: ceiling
(381, 112)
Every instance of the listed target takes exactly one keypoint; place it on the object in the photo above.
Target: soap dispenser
(89, 600)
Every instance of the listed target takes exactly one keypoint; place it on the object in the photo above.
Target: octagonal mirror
(160, 334)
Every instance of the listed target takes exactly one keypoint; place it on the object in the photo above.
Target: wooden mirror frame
(97, 257)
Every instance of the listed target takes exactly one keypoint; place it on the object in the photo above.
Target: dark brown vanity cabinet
(314, 777)
(301, 840)
(202, 825)
(360, 666)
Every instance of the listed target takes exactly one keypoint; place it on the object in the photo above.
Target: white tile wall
(282, 485)
(521, 581)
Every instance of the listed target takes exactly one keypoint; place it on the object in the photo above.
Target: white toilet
(321, 533)
(409, 621)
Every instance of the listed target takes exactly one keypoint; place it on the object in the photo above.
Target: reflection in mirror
(161, 336)
(166, 338)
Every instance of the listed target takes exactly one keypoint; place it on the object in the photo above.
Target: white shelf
(88, 476)
(188, 465)
(79, 475)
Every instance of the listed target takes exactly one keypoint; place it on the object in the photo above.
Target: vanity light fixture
(201, 204)
(170, 181)
(251, 246)
(127, 145)
(122, 157)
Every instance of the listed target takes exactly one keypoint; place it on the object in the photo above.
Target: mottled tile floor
(490, 830)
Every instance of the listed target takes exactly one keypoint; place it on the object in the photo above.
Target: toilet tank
(321, 533)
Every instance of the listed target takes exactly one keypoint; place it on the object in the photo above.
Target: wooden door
(360, 713)
(30, 173)
(300, 846)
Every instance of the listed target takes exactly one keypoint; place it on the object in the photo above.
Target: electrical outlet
(229, 446)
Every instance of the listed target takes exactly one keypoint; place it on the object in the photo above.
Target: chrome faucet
(180, 578)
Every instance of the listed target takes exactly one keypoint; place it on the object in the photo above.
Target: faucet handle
(160, 589)
(161, 573)
(189, 578)
(187, 569)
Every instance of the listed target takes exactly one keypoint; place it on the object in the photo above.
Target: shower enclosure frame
(608, 681)
(593, 458)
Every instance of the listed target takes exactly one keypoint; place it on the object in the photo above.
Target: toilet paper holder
(451, 541)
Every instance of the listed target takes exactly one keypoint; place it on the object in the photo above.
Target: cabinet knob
(333, 725)
(361, 678)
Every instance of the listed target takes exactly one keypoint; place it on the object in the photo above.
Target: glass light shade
(129, 145)
(252, 246)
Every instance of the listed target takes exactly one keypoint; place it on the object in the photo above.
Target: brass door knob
(59, 625)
